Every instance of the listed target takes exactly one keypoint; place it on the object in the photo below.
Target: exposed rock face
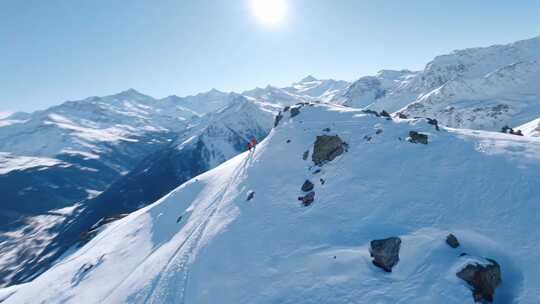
(326, 130)
(307, 186)
(384, 113)
(308, 199)
(251, 195)
(452, 241)
(385, 253)
(295, 111)
(483, 279)
(327, 148)
(418, 138)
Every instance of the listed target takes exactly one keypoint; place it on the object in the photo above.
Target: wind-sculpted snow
(206, 243)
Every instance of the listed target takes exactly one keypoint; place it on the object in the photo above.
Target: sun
(270, 12)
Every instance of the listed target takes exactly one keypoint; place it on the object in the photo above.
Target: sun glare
(270, 12)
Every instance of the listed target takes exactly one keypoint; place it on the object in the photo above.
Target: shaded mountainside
(253, 230)
(213, 140)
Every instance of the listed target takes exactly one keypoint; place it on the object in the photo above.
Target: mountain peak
(309, 78)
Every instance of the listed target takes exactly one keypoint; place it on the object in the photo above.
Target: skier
(249, 146)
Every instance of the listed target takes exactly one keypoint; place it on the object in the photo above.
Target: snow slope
(481, 186)
(531, 128)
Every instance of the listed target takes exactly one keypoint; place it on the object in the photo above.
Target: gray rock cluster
(385, 252)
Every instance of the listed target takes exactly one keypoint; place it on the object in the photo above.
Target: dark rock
(367, 138)
(384, 114)
(307, 186)
(295, 111)
(326, 130)
(463, 254)
(286, 109)
(322, 181)
(317, 171)
(179, 219)
(379, 131)
(278, 119)
(385, 252)
(327, 148)
(305, 156)
(251, 195)
(483, 279)
(402, 116)
(433, 122)
(288, 141)
(452, 241)
(308, 199)
(506, 129)
(518, 133)
(371, 112)
(418, 138)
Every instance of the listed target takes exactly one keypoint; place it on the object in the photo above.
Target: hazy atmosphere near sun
(52, 51)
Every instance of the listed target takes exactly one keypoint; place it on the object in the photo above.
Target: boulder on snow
(295, 111)
(418, 138)
(305, 155)
(286, 109)
(452, 241)
(367, 111)
(327, 148)
(326, 130)
(307, 199)
(385, 252)
(251, 195)
(483, 279)
(307, 186)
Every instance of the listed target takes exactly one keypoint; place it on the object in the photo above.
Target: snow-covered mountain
(307, 89)
(202, 103)
(206, 143)
(481, 88)
(239, 234)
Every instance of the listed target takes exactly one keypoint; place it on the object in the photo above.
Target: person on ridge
(249, 146)
(253, 143)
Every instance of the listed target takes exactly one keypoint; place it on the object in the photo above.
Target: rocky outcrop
(418, 138)
(307, 199)
(452, 241)
(279, 117)
(327, 148)
(385, 252)
(307, 186)
(295, 111)
(484, 279)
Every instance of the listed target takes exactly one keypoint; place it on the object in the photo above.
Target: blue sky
(57, 50)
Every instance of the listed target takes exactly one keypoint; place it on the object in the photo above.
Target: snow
(9, 162)
(5, 114)
(481, 186)
(531, 128)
